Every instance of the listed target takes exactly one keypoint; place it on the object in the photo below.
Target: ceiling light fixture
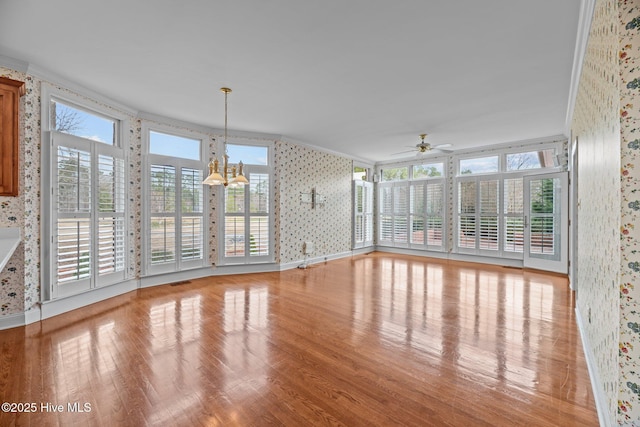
(215, 177)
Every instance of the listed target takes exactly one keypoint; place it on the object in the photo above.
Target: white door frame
(558, 262)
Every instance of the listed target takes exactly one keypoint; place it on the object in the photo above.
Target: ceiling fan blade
(403, 152)
(441, 150)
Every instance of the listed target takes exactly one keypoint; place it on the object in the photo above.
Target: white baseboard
(63, 305)
(505, 262)
(178, 276)
(604, 416)
(316, 260)
(12, 321)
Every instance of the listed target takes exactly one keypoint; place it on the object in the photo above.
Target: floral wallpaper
(298, 169)
(607, 125)
(19, 281)
(629, 356)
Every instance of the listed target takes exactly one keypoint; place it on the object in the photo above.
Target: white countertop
(9, 241)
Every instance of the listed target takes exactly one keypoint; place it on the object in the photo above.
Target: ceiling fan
(425, 147)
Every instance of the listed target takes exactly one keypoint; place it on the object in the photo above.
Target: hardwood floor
(376, 339)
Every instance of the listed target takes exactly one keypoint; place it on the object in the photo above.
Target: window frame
(51, 289)
(149, 159)
(410, 183)
(268, 169)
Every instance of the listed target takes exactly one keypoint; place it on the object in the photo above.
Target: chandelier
(237, 179)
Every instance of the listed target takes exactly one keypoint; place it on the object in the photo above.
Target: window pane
(191, 246)
(489, 197)
(395, 174)
(488, 233)
(163, 239)
(110, 245)
(400, 229)
(386, 201)
(359, 204)
(386, 227)
(74, 180)
(74, 249)
(248, 154)
(78, 122)
(435, 199)
(174, 146)
(467, 197)
(479, 165)
(234, 236)
(467, 232)
(163, 189)
(434, 231)
(192, 190)
(259, 193)
(359, 173)
(531, 160)
(258, 236)
(431, 170)
(358, 228)
(400, 200)
(514, 234)
(110, 184)
(513, 200)
(417, 229)
(234, 200)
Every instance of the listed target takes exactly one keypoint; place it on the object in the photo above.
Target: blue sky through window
(174, 146)
(249, 154)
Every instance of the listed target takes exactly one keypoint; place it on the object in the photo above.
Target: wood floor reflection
(375, 339)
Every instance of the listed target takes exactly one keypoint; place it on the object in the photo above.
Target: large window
(174, 213)
(87, 205)
(247, 230)
(490, 212)
(362, 213)
(411, 207)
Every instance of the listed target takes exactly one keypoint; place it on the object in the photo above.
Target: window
(87, 204)
(175, 197)
(412, 211)
(480, 165)
(531, 160)
(395, 174)
(247, 230)
(362, 214)
(431, 170)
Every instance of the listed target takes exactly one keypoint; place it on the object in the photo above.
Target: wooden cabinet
(10, 93)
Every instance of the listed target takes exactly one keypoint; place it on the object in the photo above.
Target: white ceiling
(359, 77)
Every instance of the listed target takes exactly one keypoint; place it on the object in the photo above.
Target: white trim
(83, 299)
(269, 170)
(451, 256)
(52, 79)
(98, 106)
(587, 8)
(320, 259)
(33, 315)
(208, 130)
(598, 390)
(13, 64)
(176, 276)
(12, 321)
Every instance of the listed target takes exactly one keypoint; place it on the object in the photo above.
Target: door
(545, 222)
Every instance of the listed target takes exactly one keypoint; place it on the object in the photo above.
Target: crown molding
(587, 8)
(14, 64)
